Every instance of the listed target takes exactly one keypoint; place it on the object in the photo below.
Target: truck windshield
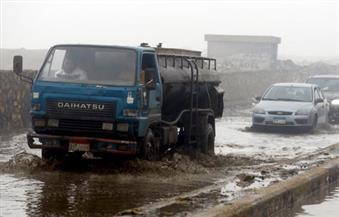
(90, 65)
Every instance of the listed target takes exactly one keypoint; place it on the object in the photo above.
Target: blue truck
(103, 100)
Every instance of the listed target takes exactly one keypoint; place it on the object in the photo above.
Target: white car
(293, 105)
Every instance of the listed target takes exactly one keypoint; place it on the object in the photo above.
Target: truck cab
(98, 98)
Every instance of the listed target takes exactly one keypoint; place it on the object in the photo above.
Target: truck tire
(207, 135)
(149, 147)
(52, 154)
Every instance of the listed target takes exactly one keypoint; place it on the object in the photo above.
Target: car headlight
(258, 111)
(335, 102)
(303, 112)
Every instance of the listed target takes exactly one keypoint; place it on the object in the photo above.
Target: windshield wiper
(295, 100)
(272, 99)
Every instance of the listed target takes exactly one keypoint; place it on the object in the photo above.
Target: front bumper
(282, 120)
(95, 145)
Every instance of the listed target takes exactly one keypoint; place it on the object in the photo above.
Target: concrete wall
(14, 102)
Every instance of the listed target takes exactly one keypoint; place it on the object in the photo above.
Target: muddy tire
(52, 154)
(207, 135)
(149, 147)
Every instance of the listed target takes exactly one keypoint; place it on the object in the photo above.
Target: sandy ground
(176, 185)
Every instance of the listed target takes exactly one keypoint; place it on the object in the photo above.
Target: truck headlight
(303, 112)
(36, 107)
(258, 111)
(335, 102)
(122, 127)
(130, 112)
(39, 122)
(53, 123)
(35, 95)
(107, 126)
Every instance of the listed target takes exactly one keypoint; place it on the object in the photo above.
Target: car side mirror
(258, 98)
(17, 65)
(319, 101)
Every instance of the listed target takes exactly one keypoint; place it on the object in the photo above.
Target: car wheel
(314, 124)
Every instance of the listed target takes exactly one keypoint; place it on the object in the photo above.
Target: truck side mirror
(17, 65)
(150, 78)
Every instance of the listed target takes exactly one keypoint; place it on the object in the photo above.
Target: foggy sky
(307, 28)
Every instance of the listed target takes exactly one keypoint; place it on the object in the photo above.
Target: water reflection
(327, 208)
(68, 194)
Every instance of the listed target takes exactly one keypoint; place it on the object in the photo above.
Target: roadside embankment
(14, 101)
(282, 196)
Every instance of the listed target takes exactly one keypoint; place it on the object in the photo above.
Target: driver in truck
(71, 70)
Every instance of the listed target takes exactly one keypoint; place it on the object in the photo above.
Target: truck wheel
(52, 154)
(206, 143)
(149, 148)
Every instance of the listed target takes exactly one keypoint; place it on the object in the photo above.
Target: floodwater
(85, 193)
(328, 207)
(65, 194)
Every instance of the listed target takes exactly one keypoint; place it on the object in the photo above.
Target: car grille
(279, 113)
(75, 109)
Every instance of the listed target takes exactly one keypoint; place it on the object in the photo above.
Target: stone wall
(14, 102)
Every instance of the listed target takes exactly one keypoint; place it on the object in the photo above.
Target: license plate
(279, 121)
(78, 145)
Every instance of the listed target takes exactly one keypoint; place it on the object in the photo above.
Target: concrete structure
(244, 53)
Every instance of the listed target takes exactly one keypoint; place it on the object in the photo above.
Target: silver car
(291, 104)
(330, 86)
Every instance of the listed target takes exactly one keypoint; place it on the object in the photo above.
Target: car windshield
(289, 93)
(327, 84)
(90, 65)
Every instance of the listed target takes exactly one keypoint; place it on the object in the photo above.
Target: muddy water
(68, 194)
(328, 207)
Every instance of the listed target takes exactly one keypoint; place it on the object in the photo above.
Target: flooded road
(327, 208)
(42, 191)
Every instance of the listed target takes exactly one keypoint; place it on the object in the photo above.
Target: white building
(244, 53)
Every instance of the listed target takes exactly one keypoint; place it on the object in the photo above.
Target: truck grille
(80, 125)
(75, 109)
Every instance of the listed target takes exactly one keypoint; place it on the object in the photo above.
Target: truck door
(152, 86)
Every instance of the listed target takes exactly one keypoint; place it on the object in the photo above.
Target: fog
(307, 28)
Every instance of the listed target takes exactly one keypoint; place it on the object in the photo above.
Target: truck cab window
(148, 69)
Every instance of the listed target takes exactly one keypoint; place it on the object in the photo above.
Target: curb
(279, 197)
